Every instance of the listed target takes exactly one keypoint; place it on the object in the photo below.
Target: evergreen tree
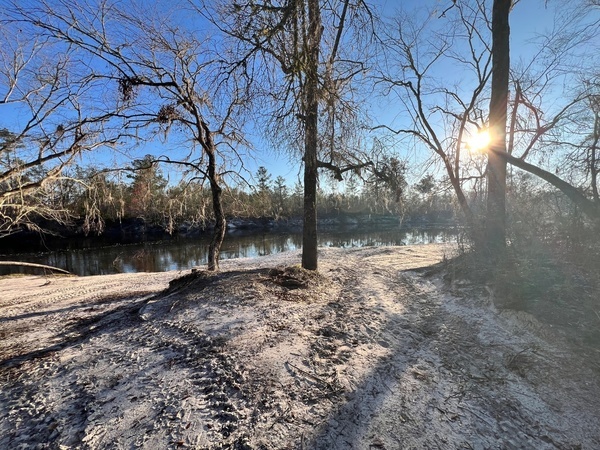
(280, 194)
(147, 190)
(263, 178)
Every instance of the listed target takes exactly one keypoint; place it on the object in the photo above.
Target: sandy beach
(370, 353)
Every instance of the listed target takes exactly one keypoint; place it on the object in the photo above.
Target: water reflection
(184, 253)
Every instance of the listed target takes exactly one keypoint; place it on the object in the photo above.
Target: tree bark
(594, 158)
(309, 232)
(495, 229)
(214, 249)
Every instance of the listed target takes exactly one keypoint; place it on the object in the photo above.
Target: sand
(371, 353)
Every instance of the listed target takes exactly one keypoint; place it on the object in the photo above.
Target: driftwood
(38, 266)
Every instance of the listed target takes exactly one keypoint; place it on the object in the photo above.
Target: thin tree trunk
(309, 233)
(496, 198)
(214, 249)
(458, 190)
(594, 158)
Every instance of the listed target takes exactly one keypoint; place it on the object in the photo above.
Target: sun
(479, 141)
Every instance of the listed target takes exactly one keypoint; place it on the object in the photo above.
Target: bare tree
(593, 158)
(166, 80)
(440, 114)
(308, 68)
(46, 125)
(496, 169)
(552, 121)
(535, 120)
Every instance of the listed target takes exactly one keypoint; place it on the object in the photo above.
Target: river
(185, 253)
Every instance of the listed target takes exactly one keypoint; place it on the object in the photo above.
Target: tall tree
(439, 114)
(496, 169)
(280, 193)
(262, 196)
(552, 120)
(545, 114)
(167, 77)
(311, 135)
(147, 187)
(45, 124)
(263, 179)
(310, 90)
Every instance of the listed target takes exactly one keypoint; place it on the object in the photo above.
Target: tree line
(142, 194)
(90, 77)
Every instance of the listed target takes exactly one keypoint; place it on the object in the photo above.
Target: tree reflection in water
(184, 253)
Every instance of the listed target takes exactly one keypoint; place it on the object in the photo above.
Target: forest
(94, 201)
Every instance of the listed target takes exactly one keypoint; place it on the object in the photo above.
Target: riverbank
(185, 253)
(370, 353)
(134, 231)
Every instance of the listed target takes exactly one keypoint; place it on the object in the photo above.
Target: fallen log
(37, 266)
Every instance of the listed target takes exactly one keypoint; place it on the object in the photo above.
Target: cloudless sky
(529, 19)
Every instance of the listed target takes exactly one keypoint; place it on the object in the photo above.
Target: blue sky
(529, 20)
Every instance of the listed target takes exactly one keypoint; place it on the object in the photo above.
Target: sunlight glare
(479, 141)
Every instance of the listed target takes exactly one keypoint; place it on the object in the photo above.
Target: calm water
(184, 253)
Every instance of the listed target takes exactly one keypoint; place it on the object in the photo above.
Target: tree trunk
(311, 104)
(453, 176)
(594, 158)
(495, 232)
(214, 249)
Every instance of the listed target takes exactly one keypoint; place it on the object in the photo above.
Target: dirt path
(368, 355)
